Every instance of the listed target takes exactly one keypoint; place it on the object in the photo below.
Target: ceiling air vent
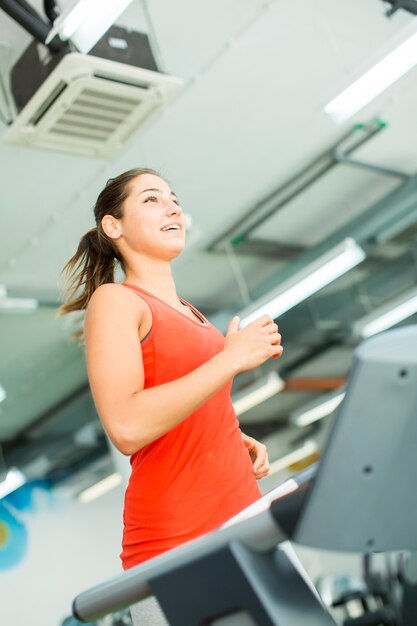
(91, 106)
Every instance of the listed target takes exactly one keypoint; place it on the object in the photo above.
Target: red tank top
(198, 475)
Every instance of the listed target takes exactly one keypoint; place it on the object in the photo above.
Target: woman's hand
(253, 345)
(259, 456)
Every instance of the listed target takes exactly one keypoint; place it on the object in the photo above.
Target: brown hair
(96, 257)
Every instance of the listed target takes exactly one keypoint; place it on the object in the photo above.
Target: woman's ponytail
(95, 260)
(92, 265)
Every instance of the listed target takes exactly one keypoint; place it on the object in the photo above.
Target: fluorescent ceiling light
(314, 277)
(387, 316)
(306, 450)
(14, 479)
(84, 22)
(11, 305)
(318, 411)
(100, 488)
(395, 60)
(258, 392)
(18, 305)
(3, 394)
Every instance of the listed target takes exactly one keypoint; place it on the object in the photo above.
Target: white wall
(72, 546)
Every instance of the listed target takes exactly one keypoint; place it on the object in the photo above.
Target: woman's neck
(156, 278)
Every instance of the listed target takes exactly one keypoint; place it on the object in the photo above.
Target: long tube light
(86, 21)
(317, 412)
(18, 305)
(394, 61)
(306, 450)
(387, 316)
(314, 277)
(14, 479)
(257, 393)
(3, 394)
(100, 488)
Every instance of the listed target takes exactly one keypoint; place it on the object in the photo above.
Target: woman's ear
(111, 227)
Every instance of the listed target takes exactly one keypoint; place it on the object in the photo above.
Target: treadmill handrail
(258, 529)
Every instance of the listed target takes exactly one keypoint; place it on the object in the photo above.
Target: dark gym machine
(359, 498)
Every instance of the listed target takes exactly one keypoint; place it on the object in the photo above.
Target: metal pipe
(342, 158)
(291, 189)
(406, 5)
(50, 8)
(35, 26)
(29, 8)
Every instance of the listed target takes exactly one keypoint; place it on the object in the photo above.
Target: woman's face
(153, 222)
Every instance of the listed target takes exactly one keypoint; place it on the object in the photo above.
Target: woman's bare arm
(134, 416)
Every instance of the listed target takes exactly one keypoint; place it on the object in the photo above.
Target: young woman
(160, 373)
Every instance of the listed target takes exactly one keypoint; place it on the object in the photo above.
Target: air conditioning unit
(90, 105)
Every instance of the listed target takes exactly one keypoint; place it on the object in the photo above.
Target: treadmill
(358, 498)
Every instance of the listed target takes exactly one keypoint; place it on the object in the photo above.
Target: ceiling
(262, 172)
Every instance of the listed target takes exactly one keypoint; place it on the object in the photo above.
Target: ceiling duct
(90, 106)
(87, 104)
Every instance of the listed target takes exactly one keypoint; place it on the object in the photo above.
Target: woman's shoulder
(115, 297)
(109, 290)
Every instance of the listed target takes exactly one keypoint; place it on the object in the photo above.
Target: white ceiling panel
(35, 187)
(238, 127)
(342, 23)
(395, 147)
(192, 33)
(53, 240)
